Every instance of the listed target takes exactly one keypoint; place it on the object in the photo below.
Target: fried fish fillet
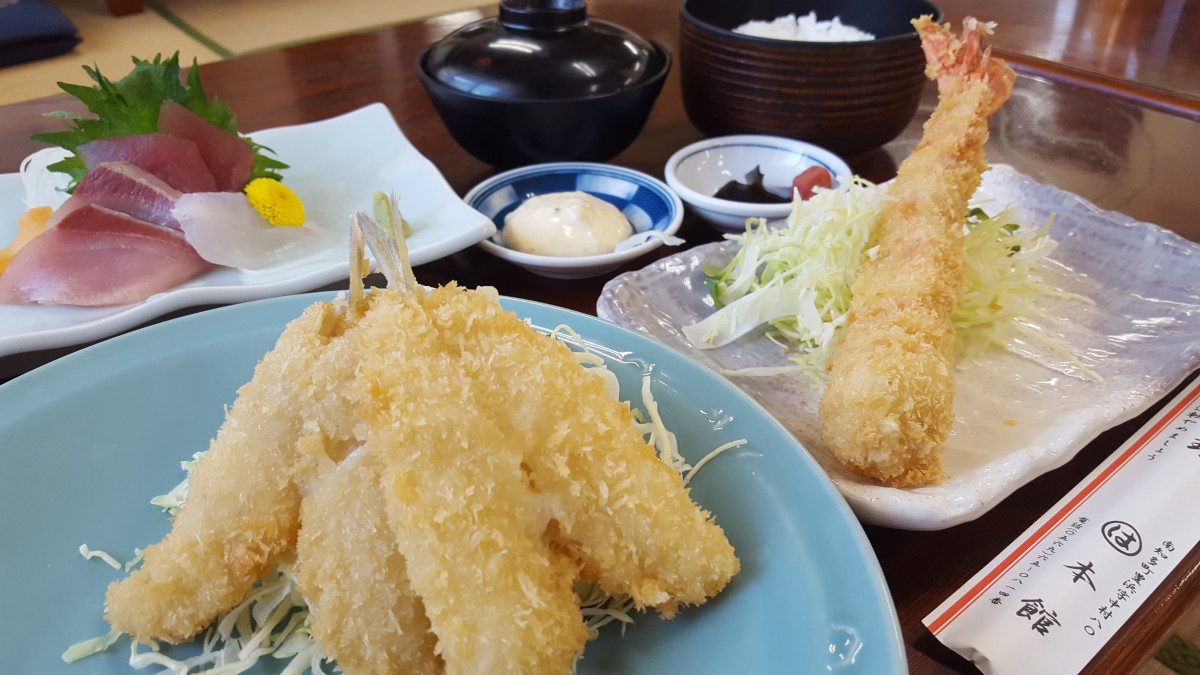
(242, 507)
(364, 612)
(511, 472)
(889, 406)
(445, 474)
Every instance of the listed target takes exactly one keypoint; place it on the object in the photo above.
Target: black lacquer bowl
(543, 82)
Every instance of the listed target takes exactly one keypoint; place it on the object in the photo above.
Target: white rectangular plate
(335, 165)
(1016, 417)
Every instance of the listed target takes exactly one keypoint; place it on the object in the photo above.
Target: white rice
(804, 28)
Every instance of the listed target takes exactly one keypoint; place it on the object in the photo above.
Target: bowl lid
(542, 50)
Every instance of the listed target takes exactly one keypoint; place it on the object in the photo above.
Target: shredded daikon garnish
(44, 187)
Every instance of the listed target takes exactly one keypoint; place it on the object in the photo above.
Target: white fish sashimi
(226, 230)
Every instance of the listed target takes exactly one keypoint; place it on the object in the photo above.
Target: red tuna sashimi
(97, 257)
(175, 160)
(127, 188)
(228, 156)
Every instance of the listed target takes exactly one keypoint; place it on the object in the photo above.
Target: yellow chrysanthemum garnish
(276, 202)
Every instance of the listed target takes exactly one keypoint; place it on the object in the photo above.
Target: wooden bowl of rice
(812, 75)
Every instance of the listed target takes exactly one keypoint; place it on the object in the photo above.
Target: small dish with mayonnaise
(570, 220)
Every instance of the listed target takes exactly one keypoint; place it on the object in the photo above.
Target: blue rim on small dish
(728, 214)
(646, 201)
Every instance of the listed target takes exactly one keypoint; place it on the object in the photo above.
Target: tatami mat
(108, 43)
(207, 30)
(242, 27)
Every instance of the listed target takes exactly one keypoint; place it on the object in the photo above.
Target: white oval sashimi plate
(335, 166)
(90, 438)
(1018, 413)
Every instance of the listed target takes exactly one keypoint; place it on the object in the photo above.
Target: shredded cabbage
(273, 619)
(172, 501)
(89, 554)
(95, 645)
(798, 279)
(136, 560)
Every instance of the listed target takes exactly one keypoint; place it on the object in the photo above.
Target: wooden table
(1142, 50)
(1127, 141)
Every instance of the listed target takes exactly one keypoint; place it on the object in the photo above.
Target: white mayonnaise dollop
(565, 224)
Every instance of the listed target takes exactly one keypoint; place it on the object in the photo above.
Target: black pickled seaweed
(752, 190)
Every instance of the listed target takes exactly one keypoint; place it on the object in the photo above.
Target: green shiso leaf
(130, 106)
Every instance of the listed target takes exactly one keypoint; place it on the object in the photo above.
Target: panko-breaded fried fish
(242, 507)
(437, 465)
(889, 405)
(363, 610)
(511, 471)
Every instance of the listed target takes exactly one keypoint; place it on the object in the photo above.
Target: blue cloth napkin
(33, 29)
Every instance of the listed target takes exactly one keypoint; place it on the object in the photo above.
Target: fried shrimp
(888, 408)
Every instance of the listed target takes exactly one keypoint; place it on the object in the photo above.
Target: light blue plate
(87, 440)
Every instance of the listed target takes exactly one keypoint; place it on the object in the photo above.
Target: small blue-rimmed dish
(698, 170)
(654, 211)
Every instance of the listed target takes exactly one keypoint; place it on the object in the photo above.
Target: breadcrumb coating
(242, 508)
(512, 470)
(889, 405)
(364, 612)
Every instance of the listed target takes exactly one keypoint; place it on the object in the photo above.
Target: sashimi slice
(127, 188)
(228, 156)
(98, 257)
(175, 160)
(225, 229)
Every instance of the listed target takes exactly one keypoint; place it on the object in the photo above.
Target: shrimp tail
(955, 63)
